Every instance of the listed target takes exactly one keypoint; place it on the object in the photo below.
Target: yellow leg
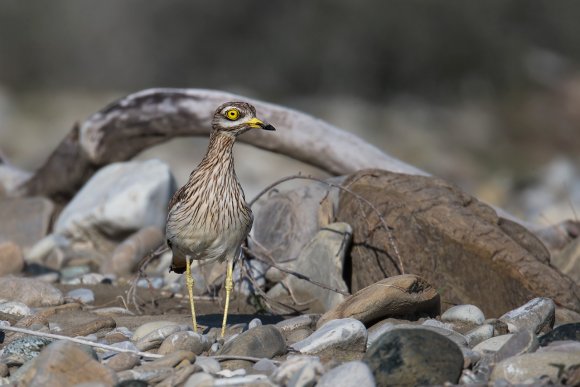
(189, 283)
(229, 286)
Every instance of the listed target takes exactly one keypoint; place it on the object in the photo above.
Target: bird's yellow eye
(233, 114)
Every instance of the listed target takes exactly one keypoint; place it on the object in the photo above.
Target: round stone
(414, 357)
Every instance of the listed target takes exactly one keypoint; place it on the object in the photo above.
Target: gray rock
(256, 322)
(492, 345)
(470, 357)
(456, 337)
(350, 374)
(520, 343)
(24, 349)
(377, 330)
(479, 334)
(119, 199)
(29, 291)
(523, 368)
(11, 178)
(562, 332)
(562, 346)
(263, 341)
(469, 314)
(322, 260)
(298, 328)
(11, 258)
(15, 308)
(398, 296)
(265, 366)
(82, 295)
(308, 375)
(184, 340)
(537, 315)
(293, 366)
(208, 364)
(286, 221)
(200, 379)
(400, 357)
(29, 219)
(345, 334)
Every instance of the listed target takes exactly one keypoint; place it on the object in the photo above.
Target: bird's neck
(219, 152)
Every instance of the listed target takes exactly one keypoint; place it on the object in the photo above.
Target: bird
(208, 218)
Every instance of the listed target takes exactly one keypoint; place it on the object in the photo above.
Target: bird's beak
(258, 124)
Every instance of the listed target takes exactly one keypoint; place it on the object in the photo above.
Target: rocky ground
(371, 279)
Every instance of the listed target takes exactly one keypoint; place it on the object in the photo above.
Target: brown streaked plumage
(208, 217)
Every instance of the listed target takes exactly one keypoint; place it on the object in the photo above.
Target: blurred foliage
(370, 49)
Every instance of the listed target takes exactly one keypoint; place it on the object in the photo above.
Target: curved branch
(136, 122)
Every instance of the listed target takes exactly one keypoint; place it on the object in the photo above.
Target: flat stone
(414, 357)
(263, 341)
(405, 296)
(521, 342)
(322, 260)
(346, 334)
(468, 314)
(562, 332)
(82, 295)
(29, 291)
(521, 369)
(537, 315)
(350, 374)
(294, 365)
(566, 316)
(11, 258)
(265, 366)
(59, 365)
(155, 339)
(184, 340)
(122, 361)
(29, 219)
(479, 334)
(492, 345)
(147, 328)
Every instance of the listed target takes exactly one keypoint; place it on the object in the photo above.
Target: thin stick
(80, 341)
(341, 188)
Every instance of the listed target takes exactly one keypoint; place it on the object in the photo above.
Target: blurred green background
(486, 94)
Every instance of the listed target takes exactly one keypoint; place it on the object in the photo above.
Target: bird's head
(236, 118)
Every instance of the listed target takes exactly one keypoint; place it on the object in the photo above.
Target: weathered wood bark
(141, 120)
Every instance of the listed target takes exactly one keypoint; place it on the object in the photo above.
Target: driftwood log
(134, 123)
(147, 118)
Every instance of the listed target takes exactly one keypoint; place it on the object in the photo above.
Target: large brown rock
(456, 243)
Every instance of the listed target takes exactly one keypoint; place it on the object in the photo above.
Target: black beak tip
(269, 127)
